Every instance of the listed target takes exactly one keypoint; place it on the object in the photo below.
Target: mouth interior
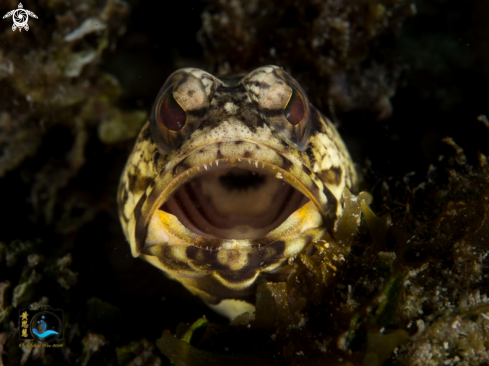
(234, 203)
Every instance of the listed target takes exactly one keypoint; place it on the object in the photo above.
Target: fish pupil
(171, 115)
(294, 111)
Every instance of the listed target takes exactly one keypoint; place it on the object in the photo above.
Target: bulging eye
(294, 111)
(170, 114)
(180, 107)
(283, 103)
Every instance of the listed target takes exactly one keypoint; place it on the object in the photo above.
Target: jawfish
(228, 179)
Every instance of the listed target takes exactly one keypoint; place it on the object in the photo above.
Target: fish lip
(163, 187)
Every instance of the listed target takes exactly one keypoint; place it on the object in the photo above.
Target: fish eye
(180, 107)
(294, 111)
(283, 103)
(170, 114)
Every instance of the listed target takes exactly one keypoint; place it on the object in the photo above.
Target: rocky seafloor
(402, 281)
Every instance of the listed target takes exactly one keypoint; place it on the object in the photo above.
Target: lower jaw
(234, 263)
(224, 269)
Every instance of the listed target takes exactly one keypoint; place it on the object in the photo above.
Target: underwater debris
(18, 143)
(36, 270)
(121, 126)
(24, 291)
(458, 334)
(138, 353)
(57, 101)
(48, 79)
(447, 294)
(102, 316)
(61, 271)
(181, 353)
(16, 250)
(92, 344)
(5, 307)
(330, 42)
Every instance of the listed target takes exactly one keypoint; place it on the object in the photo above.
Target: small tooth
(205, 166)
(239, 159)
(279, 175)
(210, 164)
(217, 162)
(256, 164)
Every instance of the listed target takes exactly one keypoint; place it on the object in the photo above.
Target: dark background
(440, 59)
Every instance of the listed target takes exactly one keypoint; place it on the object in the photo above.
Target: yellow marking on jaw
(269, 253)
(238, 285)
(200, 256)
(157, 234)
(232, 258)
(179, 252)
(294, 246)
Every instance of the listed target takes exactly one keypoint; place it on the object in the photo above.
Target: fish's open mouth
(232, 194)
(234, 203)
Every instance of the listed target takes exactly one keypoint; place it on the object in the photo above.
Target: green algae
(139, 352)
(180, 353)
(193, 331)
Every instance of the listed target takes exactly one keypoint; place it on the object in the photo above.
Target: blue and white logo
(45, 326)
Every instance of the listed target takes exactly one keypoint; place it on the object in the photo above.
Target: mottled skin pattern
(231, 123)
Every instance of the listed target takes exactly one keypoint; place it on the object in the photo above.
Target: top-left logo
(20, 17)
